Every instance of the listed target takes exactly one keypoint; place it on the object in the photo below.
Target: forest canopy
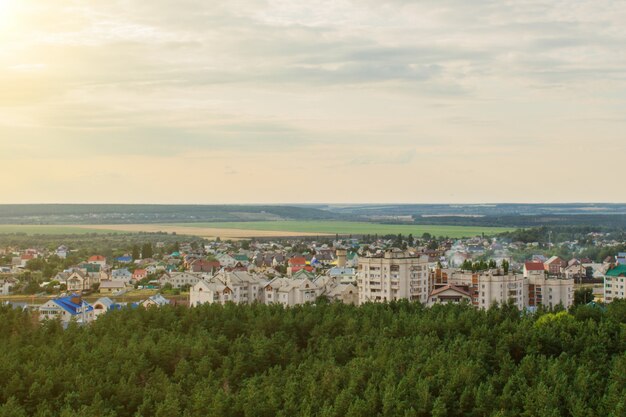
(397, 359)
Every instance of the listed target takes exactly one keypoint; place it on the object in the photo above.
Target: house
(621, 258)
(342, 292)
(226, 260)
(139, 274)
(554, 265)
(97, 260)
(156, 300)
(126, 259)
(179, 279)
(62, 251)
(534, 268)
(290, 292)
(297, 263)
(112, 286)
(66, 309)
(449, 294)
(246, 287)
(209, 292)
(121, 274)
(614, 283)
(345, 274)
(104, 305)
(78, 280)
(204, 265)
(6, 285)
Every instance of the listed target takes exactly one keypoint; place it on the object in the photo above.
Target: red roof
(139, 272)
(96, 258)
(298, 260)
(534, 266)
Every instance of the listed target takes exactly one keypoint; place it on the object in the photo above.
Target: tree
(135, 253)
(146, 251)
(583, 295)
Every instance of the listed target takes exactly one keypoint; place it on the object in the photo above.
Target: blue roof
(124, 259)
(68, 305)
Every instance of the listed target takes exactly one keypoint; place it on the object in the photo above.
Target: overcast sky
(278, 101)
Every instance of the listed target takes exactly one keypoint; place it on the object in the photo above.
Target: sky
(289, 101)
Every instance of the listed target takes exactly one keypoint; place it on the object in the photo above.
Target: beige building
(493, 286)
(395, 275)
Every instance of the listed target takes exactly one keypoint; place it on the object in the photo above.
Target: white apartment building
(549, 291)
(395, 275)
(493, 286)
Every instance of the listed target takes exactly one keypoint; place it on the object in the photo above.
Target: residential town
(479, 271)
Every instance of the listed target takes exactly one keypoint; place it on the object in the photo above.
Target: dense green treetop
(397, 359)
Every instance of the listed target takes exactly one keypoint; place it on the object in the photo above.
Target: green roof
(617, 271)
(241, 257)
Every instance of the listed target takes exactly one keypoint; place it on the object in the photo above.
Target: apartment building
(493, 286)
(615, 283)
(394, 275)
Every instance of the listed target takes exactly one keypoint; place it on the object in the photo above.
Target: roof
(72, 304)
(297, 260)
(105, 301)
(619, 270)
(112, 284)
(97, 258)
(158, 299)
(450, 287)
(534, 266)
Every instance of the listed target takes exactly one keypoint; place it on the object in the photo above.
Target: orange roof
(97, 258)
(298, 260)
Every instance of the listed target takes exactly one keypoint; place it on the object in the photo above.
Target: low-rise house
(180, 279)
(126, 259)
(156, 300)
(104, 305)
(62, 251)
(112, 286)
(290, 292)
(554, 265)
(246, 287)
(66, 309)
(449, 294)
(6, 285)
(98, 260)
(139, 274)
(204, 265)
(121, 274)
(346, 293)
(78, 280)
(206, 292)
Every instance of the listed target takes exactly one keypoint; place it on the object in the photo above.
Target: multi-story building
(615, 283)
(394, 275)
(549, 291)
(493, 286)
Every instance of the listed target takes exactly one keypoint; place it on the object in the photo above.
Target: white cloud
(402, 87)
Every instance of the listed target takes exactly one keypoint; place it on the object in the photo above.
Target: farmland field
(359, 228)
(241, 230)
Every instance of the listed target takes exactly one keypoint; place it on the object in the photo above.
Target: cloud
(397, 85)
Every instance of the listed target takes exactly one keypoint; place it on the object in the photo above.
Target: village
(479, 271)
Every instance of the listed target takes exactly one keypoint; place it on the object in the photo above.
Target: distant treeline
(397, 359)
(615, 221)
(151, 213)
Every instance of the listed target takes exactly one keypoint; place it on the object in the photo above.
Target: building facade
(395, 275)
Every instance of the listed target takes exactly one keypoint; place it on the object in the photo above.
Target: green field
(354, 228)
(50, 229)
